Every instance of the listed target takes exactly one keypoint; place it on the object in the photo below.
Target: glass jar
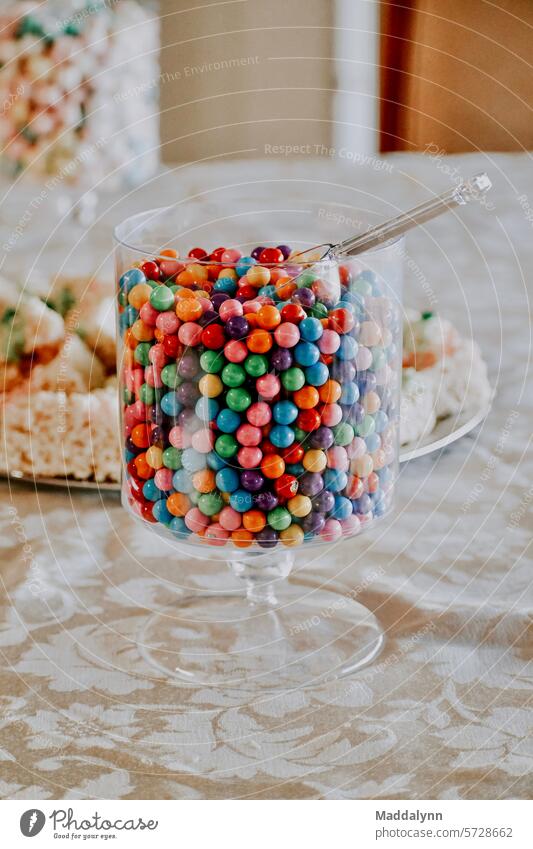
(259, 386)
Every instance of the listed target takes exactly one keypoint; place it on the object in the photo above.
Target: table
(444, 713)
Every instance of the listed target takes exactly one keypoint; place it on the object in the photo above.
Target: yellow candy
(293, 535)
(154, 457)
(139, 295)
(227, 273)
(257, 275)
(362, 466)
(314, 460)
(197, 272)
(210, 385)
(299, 506)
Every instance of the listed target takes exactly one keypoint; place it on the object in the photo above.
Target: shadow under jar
(260, 411)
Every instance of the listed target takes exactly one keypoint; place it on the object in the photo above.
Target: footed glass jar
(260, 408)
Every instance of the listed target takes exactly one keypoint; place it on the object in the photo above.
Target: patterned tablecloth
(445, 712)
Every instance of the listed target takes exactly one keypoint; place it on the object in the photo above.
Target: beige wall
(274, 86)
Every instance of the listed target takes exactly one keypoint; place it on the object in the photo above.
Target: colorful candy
(260, 397)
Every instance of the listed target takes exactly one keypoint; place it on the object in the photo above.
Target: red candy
(151, 270)
(270, 256)
(213, 337)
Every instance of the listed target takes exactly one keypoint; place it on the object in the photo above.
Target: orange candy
(272, 466)
(259, 341)
(129, 339)
(170, 252)
(306, 398)
(197, 272)
(227, 274)
(144, 470)
(140, 436)
(141, 331)
(188, 309)
(242, 538)
(285, 288)
(204, 480)
(178, 504)
(258, 276)
(268, 317)
(185, 278)
(254, 521)
(330, 392)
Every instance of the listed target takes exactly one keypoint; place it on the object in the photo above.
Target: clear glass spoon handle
(471, 189)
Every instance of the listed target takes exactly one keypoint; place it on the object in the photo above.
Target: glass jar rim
(327, 262)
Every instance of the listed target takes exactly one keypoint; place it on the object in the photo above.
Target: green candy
(141, 353)
(256, 365)
(343, 433)
(172, 458)
(300, 436)
(366, 427)
(226, 446)
(318, 311)
(170, 376)
(210, 503)
(162, 298)
(293, 379)
(233, 375)
(238, 400)
(379, 358)
(362, 287)
(212, 361)
(122, 299)
(147, 394)
(306, 278)
(279, 518)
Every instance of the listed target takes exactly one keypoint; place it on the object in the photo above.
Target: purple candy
(265, 501)
(256, 253)
(267, 538)
(188, 365)
(354, 414)
(281, 359)
(362, 504)
(324, 502)
(156, 414)
(207, 317)
(285, 250)
(218, 298)
(311, 484)
(313, 523)
(157, 436)
(252, 480)
(322, 438)
(304, 296)
(131, 447)
(237, 327)
(343, 371)
(366, 381)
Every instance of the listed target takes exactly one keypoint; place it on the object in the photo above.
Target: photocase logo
(32, 822)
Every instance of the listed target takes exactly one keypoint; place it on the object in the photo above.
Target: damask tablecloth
(445, 712)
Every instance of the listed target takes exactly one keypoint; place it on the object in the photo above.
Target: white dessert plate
(445, 432)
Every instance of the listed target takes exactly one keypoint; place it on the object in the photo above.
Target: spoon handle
(471, 189)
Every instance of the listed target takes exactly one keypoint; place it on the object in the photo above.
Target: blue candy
(348, 348)
(335, 480)
(192, 460)
(215, 461)
(381, 421)
(227, 480)
(244, 264)
(349, 394)
(131, 278)
(284, 412)
(150, 491)
(178, 527)
(170, 404)
(228, 420)
(342, 509)
(206, 409)
(241, 500)
(311, 329)
(318, 374)
(306, 354)
(182, 481)
(281, 436)
(161, 512)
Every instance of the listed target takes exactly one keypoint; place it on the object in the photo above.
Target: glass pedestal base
(311, 635)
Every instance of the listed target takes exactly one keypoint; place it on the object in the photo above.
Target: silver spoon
(471, 189)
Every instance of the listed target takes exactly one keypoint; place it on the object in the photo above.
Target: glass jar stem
(260, 573)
